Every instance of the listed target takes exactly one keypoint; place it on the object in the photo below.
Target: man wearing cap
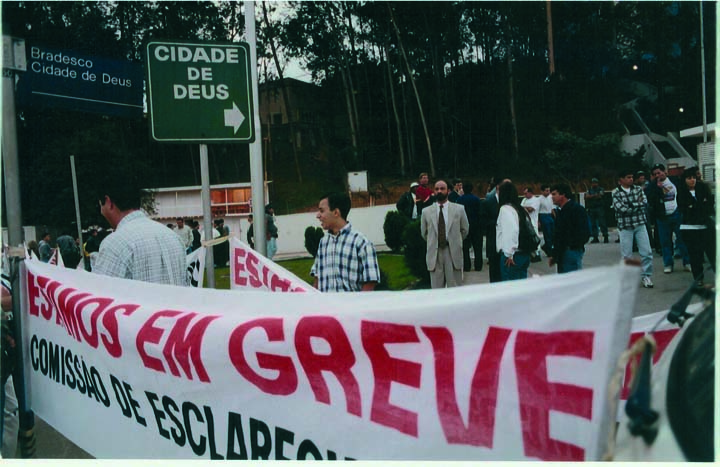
(662, 204)
(408, 203)
(596, 211)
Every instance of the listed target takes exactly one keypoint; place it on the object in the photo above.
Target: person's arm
(464, 224)
(6, 299)
(622, 204)
(370, 265)
(423, 224)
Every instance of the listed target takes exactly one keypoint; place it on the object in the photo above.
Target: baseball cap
(594, 180)
(414, 184)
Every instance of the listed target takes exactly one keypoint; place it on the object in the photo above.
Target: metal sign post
(13, 59)
(207, 215)
(256, 160)
(77, 205)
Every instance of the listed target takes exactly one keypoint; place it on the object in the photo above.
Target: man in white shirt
(547, 221)
(531, 203)
(185, 234)
(139, 248)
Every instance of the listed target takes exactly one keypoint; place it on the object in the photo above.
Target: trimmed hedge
(393, 228)
(312, 239)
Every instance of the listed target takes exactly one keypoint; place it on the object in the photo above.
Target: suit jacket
(457, 229)
(492, 209)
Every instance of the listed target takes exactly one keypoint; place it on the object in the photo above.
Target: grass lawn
(398, 275)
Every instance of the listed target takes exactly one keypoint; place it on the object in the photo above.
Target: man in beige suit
(444, 225)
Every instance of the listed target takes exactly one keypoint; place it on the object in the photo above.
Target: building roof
(698, 131)
(199, 187)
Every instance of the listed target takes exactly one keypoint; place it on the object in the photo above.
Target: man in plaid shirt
(346, 260)
(629, 203)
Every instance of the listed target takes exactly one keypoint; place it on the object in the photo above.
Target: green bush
(312, 239)
(393, 228)
(415, 250)
(384, 284)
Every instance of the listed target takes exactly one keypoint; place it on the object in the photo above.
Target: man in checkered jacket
(629, 203)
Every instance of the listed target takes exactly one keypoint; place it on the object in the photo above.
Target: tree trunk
(417, 95)
(395, 111)
(511, 98)
(351, 121)
(286, 98)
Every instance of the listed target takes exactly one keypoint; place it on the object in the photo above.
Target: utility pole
(702, 68)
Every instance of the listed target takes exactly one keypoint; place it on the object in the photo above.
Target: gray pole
(702, 68)
(256, 160)
(77, 201)
(11, 170)
(207, 215)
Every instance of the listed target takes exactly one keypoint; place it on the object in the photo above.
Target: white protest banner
(516, 371)
(251, 270)
(196, 267)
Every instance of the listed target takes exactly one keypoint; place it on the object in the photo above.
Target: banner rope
(615, 385)
(214, 241)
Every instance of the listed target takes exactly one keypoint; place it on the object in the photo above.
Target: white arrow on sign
(234, 118)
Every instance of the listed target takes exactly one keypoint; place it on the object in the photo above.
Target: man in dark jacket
(572, 231)
(408, 204)
(473, 210)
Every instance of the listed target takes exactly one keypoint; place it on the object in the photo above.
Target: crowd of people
(671, 216)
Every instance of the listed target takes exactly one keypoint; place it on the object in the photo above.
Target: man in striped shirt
(346, 260)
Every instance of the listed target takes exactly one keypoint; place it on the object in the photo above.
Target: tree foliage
(458, 87)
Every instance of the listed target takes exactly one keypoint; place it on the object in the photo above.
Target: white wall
(291, 228)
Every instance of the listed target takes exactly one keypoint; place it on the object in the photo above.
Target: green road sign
(200, 92)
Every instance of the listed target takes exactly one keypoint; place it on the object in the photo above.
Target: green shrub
(384, 281)
(415, 250)
(393, 228)
(312, 239)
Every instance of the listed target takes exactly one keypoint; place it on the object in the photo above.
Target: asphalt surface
(668, 289)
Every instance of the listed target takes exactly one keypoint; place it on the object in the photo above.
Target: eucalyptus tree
(270, 34)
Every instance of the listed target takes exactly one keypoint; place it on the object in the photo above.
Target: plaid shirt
(345, 261)
(143, 250)
(630, 207)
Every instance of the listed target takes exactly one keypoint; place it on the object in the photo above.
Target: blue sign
(73, 81)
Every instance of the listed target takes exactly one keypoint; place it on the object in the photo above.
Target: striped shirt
(629, 206)
(345, 261)
(143, 250)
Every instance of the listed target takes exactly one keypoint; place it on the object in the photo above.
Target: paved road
(668, 288)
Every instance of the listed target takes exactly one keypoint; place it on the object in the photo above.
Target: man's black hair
(657, 166)
(339, 201)
(507, 193)
(622, 173)
(529, 189)
(468, 187)
(563, 189)
(122, 186)
(455, 181)
(544, 187)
